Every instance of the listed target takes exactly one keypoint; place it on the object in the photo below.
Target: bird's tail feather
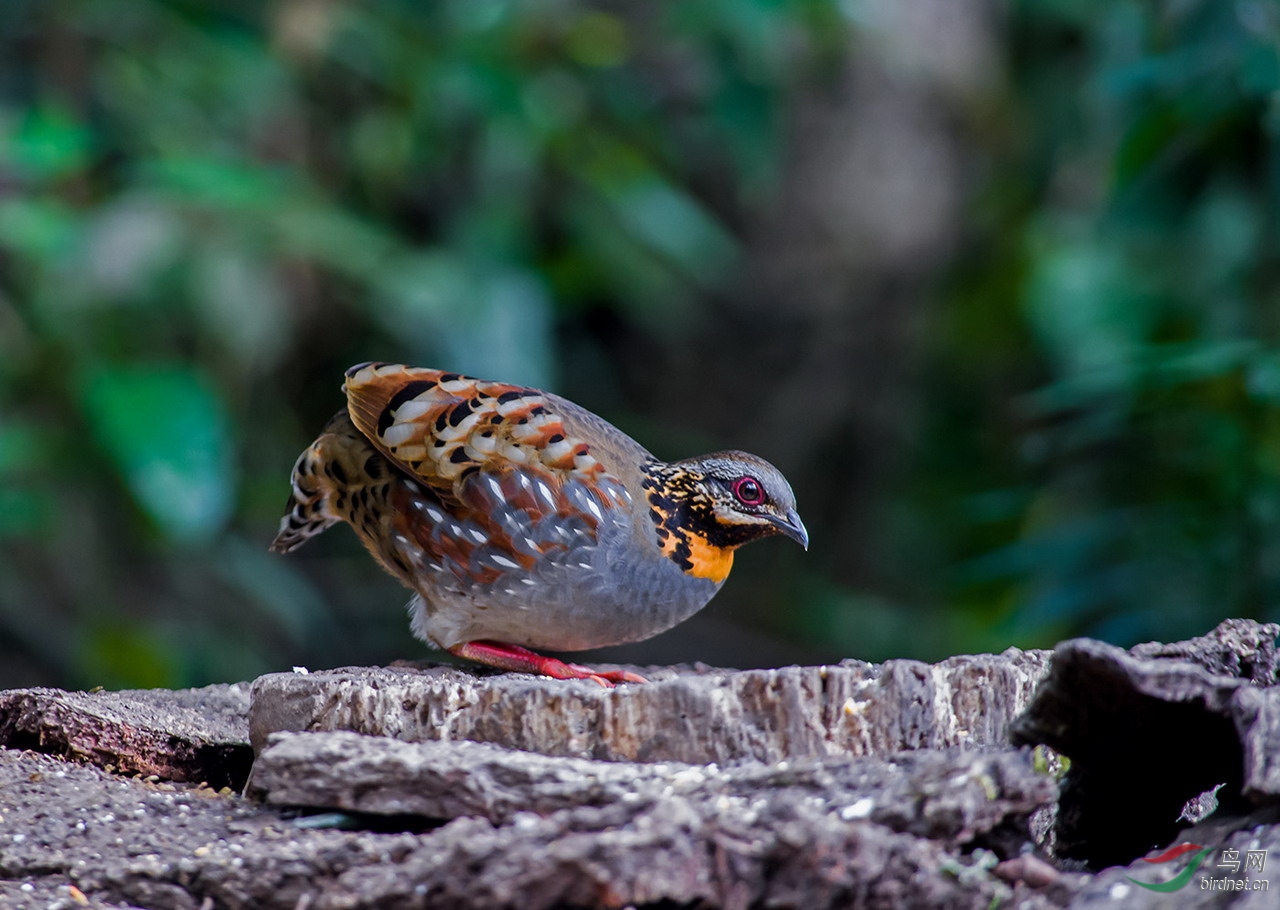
(317, 475)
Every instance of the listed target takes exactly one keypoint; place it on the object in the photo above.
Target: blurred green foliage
(1128, 253)
(208, 210)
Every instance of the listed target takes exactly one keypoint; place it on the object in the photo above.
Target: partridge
(521, 520)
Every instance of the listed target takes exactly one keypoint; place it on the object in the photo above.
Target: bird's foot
(522, 660)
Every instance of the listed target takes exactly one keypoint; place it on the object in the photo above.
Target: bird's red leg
(522, 660)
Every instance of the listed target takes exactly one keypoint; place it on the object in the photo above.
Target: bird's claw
(606, 678)
(522, 660)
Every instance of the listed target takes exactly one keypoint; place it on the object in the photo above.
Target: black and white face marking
(747, 496)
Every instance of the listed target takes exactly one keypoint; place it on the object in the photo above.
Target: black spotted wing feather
(443, 427)
(499, 486)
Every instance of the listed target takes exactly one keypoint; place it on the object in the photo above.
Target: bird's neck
(684, 519)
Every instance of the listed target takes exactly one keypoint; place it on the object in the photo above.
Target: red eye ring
(749, 491)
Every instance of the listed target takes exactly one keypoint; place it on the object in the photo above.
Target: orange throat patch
(703, 559)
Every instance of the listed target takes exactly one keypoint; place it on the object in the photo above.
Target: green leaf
(166, 431)
(49, 143)
(227, 184)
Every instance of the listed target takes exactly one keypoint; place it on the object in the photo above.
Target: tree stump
(854, 785)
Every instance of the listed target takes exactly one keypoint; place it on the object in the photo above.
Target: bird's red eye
(748, 491)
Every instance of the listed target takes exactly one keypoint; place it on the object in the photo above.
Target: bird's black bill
(791, 525)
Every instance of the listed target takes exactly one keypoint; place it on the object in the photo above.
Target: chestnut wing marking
(443, 428)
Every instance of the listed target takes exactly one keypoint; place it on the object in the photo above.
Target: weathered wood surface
(1149, 730)
(186, 735)
(949, 796)
(155, 846)
(900, 791)
(688, 714)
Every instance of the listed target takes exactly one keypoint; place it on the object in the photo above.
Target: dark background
(995, 284)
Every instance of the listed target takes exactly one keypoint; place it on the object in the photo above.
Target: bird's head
(725, 498)
(749, 497)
